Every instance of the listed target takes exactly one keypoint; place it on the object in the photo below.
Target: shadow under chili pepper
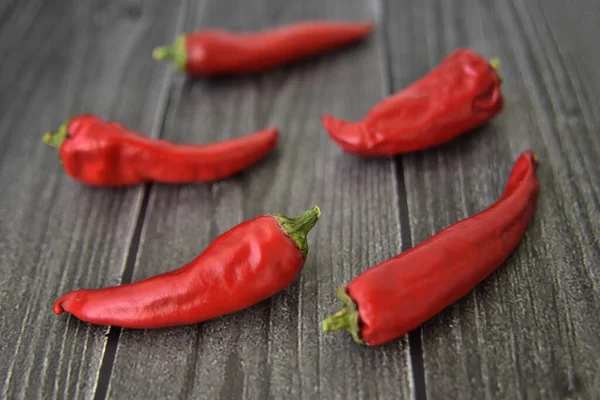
(266, 166)
(471, 138)
(351, 159)
(110, 192)
(465, 143)
(256, 183)
(349, 164)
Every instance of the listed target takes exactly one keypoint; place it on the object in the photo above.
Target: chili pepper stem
(495, 63)
(347, 318)
(297, 228)
(175, 53)
(56, 138)
(338, 321)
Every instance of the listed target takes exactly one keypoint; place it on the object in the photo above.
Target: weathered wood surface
(61, 59)
(273, 350)
(529, 331)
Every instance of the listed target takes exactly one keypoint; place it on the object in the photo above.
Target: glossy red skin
(239, 269)
(400, 294)
(219, 52)
(461, 93)
(103, 153)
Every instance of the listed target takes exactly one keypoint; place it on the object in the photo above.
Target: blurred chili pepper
(102, 153)
(461, 93)
(219, 52)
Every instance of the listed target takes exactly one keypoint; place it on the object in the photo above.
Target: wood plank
(274, 349)
(531, 329)
(57, 235)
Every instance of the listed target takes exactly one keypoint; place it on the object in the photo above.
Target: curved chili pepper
(461, 93)
(101, 153)
(398, 295)
(220, 52)
(244, 266)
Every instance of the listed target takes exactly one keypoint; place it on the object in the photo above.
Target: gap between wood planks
(110, 351)
(414, 337)
(416, 351)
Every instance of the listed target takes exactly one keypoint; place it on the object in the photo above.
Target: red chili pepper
(220, 52)
(103, 153)
(244, 266)
(398, 295)
(460, 94)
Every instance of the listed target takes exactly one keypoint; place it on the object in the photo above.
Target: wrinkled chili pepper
(398, 295)
(220, 52)
(244, 266)
(460, 94)
(101, 153)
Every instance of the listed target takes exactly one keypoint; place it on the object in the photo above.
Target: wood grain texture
(274, 349)
(62, 59)
(531, 329)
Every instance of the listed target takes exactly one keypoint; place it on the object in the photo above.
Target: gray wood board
(531, 329)
(274, 349)
(56, 235)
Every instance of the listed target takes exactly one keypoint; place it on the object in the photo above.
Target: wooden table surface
(532, 330)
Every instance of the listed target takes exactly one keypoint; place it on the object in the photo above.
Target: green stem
(163, 52)
(55, 138)
(338, 321)
(347, 318)
(297, 228)
(175, 53)
(495, 62)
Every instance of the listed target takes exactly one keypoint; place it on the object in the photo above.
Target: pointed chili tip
(58, 309)
(352, 137)
(59, 306)
(332, 124)
(366, 26)
(65, 303)
(268, 135)
(273, 134)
